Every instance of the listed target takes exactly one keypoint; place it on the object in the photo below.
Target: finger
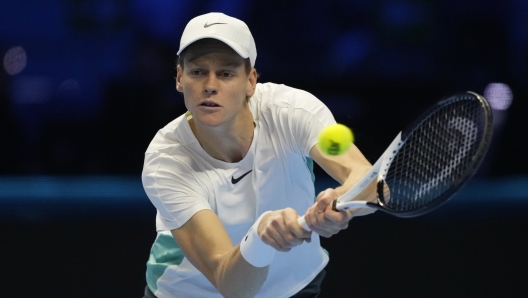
(282, 233)
(309, 217)
(325, 195)
(320, 205)
(315, 217)
(326, 232)
(269, 233)
(286, 231)
(321, 217)
(339, 217)
(274, 239)
(290, 217)
(328, 223)
(363, 211)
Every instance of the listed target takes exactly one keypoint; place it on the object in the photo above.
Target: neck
(229, 142)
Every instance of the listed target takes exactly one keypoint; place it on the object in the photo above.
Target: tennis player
(230, 177)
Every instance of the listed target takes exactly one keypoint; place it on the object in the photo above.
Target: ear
(179, 72)
(252, 83)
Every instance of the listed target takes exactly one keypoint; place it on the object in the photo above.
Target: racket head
(440, 152)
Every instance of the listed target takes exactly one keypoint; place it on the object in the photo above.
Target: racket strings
(436, 154)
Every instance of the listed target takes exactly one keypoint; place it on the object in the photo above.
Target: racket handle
(337, 206)
(351, 205)
(303, 224)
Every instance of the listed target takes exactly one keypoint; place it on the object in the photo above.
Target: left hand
(280, 230)
(322, 219)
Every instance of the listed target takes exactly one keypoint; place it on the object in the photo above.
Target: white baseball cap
(233, 32)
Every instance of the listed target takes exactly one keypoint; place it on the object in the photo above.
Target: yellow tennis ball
(335, 139)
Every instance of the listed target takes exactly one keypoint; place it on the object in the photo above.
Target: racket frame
(377, 171)
(380, 168)
(344, 202)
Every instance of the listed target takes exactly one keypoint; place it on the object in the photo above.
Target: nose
(211, 85)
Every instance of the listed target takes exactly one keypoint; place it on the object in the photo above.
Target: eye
(226, 74)
(197, 71)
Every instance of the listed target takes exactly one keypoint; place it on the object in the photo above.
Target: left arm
(347, 169)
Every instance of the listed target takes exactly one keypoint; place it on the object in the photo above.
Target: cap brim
(239, 50)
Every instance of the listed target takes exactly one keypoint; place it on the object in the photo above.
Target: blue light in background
(49, 198)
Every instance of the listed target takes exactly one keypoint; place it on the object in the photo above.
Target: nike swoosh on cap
(209, 25)
(236, 180)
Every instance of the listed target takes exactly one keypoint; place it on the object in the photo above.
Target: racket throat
(380, 191)
(334, 204)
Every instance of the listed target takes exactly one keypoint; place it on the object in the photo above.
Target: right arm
(201, 235)
(206, 244)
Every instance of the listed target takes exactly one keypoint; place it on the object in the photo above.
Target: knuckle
(290, 225)
(266, 239)
(287, 238)
(274, 222)
(290, 238)
(279, 243)
(289, 210)
(320, 222)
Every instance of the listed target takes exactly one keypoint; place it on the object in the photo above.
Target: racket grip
(303, 224)
(302, 221)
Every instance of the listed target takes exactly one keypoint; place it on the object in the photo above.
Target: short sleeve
(173, 189)
(308, 116)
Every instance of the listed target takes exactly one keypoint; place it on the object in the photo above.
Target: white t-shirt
(180, 179)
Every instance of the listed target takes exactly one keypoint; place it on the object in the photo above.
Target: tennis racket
(427, 163)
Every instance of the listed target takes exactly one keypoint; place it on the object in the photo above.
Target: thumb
(323, 200)
(320, 206)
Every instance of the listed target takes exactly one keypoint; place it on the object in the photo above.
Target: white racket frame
(378, 170)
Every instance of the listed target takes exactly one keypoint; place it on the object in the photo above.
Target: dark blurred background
(85, 85)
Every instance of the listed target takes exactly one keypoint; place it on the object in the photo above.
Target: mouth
(209, 104)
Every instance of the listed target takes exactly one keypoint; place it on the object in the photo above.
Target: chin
(208, 121)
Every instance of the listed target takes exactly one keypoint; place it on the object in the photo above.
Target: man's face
(215, 87)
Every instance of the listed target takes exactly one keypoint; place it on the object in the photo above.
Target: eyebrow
(232, 64)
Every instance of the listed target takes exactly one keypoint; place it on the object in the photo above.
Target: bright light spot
(499, 96)
(15, 60)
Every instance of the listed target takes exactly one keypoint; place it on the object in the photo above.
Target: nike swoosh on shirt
(209, 25)
(236, 180)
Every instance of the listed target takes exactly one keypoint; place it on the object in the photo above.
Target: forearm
(347, 169)
(353, 167)
(206, 244)
(235, 277)
(355, 175)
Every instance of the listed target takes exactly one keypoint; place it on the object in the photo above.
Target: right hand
(281, 230)
(324, 220)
